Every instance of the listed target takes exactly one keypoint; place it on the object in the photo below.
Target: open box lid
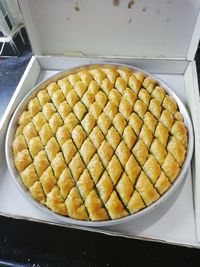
(113, 28)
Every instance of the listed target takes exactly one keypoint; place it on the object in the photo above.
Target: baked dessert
(101, 143)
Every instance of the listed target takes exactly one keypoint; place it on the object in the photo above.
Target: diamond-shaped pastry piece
(52, 88)
(39, 120)
(24, 118)
(130, 96)
(65, 183)
(95, 207)
(78, 136)
(125, 108)
(41, 162)
(48, 180)
(58, 98)
(104, 123)
(115, 97)
(150, 121)
(85, 184)
(180, 132)
(105, 187)
(96, 137)
(80, 88)
(152, 168)
(114, 169)
(140, 151)
(69, 150)
(105, 152)
(48, 110)
(72, 98)
(101, 99)
(88, 99)
(111, 74)
(71, 122)
(79, 110)
(37, 192)
(85, 76)
(170, 167)
(88, 123)
(55, 122)
(177, 150)
(65, 86)
(18, 144)
(178, 116)
(29, 176)
(113, 137)
(95, 110)
(62, 134)
(106, 86)
(162, 134)
(140, 108)
(146, 189)
(45, 133)
(123, 153)
(93, 87)
(75, 206)
(132, 168)
(162, 184)
(29, 132)
(73, 79)
(124, 188)
(87, 150)
(52, 148)
(34, 106)
(98, 75)
(64, 109)
(124, 73)
(144, 96)
(135, 203)
(158, 93)
(120, 85)
(146, 135)
(110, 110)
(155, 108)
(58, 164)
(35, 146)
(95, 168)
(149, 84)
(159, 151)
(129, 136)
(135, 122)
(115, 207)
(169, 104)
(55, 201)
(134, 84)
(76, 166)
(167, 119)
(43, 97)
(139, 75)
(119, 122)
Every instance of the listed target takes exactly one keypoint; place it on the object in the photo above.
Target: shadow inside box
(138, 225)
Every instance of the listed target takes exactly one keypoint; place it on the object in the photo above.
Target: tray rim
(23, 103)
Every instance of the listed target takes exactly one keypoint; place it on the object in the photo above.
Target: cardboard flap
(145, 28)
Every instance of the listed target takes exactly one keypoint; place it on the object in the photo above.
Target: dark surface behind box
(25, 243)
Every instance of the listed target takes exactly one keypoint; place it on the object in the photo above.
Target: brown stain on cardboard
(76, 7)
(130, 4)
(116, 2)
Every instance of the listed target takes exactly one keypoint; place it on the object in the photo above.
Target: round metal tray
(23, 104)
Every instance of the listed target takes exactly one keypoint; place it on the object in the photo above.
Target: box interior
(173, 221)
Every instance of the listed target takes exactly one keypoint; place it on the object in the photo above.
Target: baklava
(99, 144)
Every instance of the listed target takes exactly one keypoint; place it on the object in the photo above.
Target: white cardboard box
(159, 40)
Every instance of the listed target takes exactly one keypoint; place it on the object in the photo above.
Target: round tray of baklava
(101, 144)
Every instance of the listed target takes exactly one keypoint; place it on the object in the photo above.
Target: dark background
(33, 244)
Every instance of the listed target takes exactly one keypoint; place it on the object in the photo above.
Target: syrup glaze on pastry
(100, 144)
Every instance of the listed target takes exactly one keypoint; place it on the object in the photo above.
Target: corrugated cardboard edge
(191, 80)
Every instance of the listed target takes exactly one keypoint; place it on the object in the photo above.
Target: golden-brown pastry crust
(99, 144)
